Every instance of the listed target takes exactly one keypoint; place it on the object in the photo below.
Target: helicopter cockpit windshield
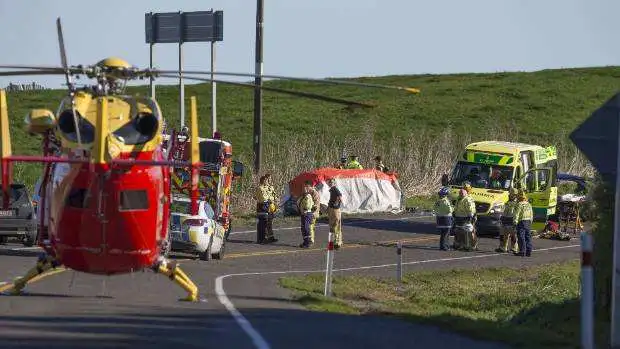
(132, 120)
(143, 124)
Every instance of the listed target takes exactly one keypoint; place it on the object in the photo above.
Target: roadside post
(399, 265)
(597, 137)
(330, 262)
(587, 292)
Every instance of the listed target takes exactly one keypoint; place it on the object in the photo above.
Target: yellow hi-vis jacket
(443, 207)
(465, 207)
(354, 165)
(306, 203)
(524, 212)
(265, 193)
(510, 208)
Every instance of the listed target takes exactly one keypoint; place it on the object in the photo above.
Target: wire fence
(33, 86)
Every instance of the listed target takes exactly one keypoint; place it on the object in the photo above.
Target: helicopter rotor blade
(31, 72)
(63, 53)
(325, 81)
(32, 67)
(278, 90)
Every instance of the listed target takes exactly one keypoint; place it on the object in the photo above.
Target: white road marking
(325, 225)
(258, 339)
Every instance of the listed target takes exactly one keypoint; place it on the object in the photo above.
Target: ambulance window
(210, 151)
(133, 200)
(525, 160)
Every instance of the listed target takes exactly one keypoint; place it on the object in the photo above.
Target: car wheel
(220, 254)
(29, 241)
(206, 255)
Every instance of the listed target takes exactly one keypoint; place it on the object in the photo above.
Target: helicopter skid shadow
(17, 252)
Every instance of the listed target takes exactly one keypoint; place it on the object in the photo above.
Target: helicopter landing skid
(45, 264)
(174, 273)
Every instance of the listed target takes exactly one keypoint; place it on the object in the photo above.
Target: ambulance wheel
(206, 255)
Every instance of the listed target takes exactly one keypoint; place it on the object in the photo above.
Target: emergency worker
(354, 163)
(443, 216)
(266, 207)
(306, 204)
(379, 166)
(342, 164)
(523, 220)
(333, 211)
(508, 235)
(316, 208)
(464, 213)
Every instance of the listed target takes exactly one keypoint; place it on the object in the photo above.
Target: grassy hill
(416, 133)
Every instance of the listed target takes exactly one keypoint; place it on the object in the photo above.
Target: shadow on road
(203, 328)
(401, 226)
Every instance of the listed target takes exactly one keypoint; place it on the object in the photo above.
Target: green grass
(534, 307)
(421, 202)
(540, 107)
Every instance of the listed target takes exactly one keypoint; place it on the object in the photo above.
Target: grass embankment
(418, 135)
(534, 307)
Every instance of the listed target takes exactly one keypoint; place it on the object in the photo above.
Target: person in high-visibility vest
(333, 212)
(443, 216)
(266, 206)
(508, 236)
(316, 208)
(305, 204)
(354, 163)
(464, 215)
(523, 220)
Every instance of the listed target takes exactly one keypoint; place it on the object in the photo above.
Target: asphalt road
(241, 305)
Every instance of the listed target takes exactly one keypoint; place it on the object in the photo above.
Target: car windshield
(482, 175)
(179, 206)
(19, 196)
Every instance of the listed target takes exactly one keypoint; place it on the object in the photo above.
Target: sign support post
(182, 27)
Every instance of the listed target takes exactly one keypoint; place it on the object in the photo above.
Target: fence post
(330, 262)
(399, 265)
(587, 292)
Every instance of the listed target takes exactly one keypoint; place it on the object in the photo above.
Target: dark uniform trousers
(306, 220)
(525, 237)
(444, 226)
(264, 229)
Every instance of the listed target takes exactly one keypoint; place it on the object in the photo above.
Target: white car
(199, 234)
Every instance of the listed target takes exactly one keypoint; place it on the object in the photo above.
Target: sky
(325, 38)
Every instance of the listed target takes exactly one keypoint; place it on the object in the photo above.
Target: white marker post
(587, 292)
(399, 265)
(330, 262)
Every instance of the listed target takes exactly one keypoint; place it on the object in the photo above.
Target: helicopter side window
(66, 124)
(131, 200)
(139, 130)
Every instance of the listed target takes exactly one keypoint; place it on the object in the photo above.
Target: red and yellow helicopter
(106, 183)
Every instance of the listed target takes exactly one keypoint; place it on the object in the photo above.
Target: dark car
(20, 219)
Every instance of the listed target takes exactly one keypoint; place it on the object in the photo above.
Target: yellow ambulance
(493, 167)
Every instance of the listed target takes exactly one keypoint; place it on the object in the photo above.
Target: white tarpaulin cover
(363, 191)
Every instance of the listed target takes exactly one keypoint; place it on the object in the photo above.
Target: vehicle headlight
(497, 207)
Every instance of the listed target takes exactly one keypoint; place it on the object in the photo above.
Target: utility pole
(258, 92)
